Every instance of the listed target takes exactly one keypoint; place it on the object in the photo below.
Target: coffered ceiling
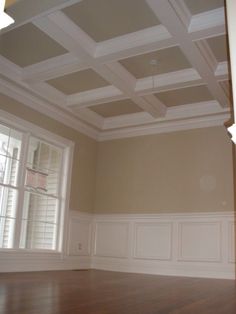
(90, 63)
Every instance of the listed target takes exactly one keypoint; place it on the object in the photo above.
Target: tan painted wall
(84, 164)
(188, 171)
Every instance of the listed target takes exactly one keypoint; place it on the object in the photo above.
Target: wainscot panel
(195, 245)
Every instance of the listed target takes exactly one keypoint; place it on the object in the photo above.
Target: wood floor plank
(102, 292)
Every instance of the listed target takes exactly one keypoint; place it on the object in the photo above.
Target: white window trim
(27, 128)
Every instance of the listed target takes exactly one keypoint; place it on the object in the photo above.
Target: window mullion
(20, 184)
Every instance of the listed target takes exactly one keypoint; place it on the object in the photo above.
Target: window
(33, 186)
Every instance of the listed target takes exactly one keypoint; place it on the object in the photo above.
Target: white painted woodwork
(181, 244)
(111, 239)
(179, 27)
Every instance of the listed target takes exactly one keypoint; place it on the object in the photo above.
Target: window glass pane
(40, 208)
(8, 170)
(55, 160)
(15, 144)
(8, 200)
(38, 235)
(10, 142)
(4, 139)
(45, 159)
(6, 232)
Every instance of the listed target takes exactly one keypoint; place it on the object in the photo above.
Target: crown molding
(173, 113)
(19, 94)
(90, 117)
(175, 120)
(166, 127)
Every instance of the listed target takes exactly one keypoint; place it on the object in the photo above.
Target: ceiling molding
(166, 127)
(173, 113)
(23, 96)
(90, 117)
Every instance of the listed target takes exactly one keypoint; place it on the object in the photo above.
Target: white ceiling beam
(207, 53)
(167, 81)
(222, 71)
(64, 31)
(142, 41)
(169, 18)
(122, 47)
(156, 103)
(54, 67)
(95, 97)
(208, 32)
(173, 113)
(207, 19)
(90, 117)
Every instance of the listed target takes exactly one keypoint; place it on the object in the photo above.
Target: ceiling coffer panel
(116, 108)
(78, 82)
(200, 6)
(184, 96)
(27, 45)
(168, 60)
(106, 19)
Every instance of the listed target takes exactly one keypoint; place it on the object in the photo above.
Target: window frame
(29, 129)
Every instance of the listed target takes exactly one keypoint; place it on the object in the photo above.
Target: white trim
(168, 81)
(162, 261)
(166, 127)
(143, 37)
(34, 102)
(158, 248)
(207, 19)
(222, 70)
(67, 145)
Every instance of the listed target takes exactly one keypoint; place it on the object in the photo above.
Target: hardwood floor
(101, 292)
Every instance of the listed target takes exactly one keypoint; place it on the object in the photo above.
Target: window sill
(24, 253)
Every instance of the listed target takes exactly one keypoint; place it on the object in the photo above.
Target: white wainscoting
(111, 239)
(196, 245)
(76, 253)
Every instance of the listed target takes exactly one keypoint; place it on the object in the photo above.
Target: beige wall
(176, 172)
(84, 164)
(188, 171)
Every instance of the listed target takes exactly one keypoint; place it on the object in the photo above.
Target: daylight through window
(31, 191)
